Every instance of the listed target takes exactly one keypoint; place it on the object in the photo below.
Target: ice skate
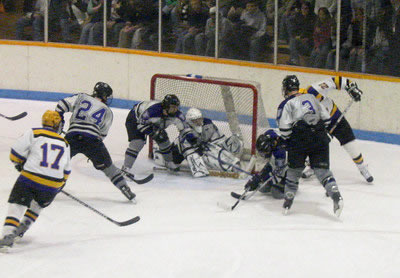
(21, 230)
(127, 192)
(287, 204)
(307, 173)
(6, 243)
(364, 171)
(337, 203)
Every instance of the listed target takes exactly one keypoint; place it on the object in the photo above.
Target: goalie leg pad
(233, 145)
(224, 160)
(197, 165)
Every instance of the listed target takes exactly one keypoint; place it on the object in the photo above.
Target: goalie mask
(194, 117)
(103, 91)
(266, 143)
(53, 120)
(289, 84)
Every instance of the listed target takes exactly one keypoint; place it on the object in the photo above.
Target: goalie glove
(353, 90)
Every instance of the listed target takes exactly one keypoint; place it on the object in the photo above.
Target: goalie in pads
(201, 143)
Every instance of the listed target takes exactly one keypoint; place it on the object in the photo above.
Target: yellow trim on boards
(205, 59)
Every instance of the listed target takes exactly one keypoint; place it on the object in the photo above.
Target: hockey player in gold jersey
(343, 131)
(42, 156)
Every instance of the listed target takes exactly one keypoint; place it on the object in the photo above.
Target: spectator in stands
(331, 5)
(395, 42)
(34, 16)
(345, 21)
(92, 32)
(301, 26)
(292, 8)
(116, 23)
(190, 38)
(58, 17)
(354, 47)
(225, 35)
(254, 30)
(322, 39)
(379, 53)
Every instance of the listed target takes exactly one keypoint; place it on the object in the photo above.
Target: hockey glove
(353, 90)
(192, 139)
(160, 136)
(253, 183)
(19, 166)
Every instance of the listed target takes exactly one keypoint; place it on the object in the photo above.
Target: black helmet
(103, 91)
(169, 100)
(289, 84)
(266, 143)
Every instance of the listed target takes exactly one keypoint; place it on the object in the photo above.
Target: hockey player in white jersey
(205, 147)
(42, 157)
(343, 131)
(89, 124)
(302, 122)
(151, 118)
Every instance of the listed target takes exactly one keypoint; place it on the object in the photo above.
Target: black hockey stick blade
(139, 181)
(128, 222)
(237, 195)
(16, 117)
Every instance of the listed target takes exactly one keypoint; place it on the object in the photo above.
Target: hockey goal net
(235, 106)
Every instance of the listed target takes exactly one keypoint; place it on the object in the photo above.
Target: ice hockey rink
(183, 233)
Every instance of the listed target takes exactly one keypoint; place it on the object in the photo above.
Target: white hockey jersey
(90, 116)
(45, 156)
(320, 90)
(150, 113)
(300, 107)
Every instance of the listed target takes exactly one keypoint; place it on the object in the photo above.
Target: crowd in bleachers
(306, 29)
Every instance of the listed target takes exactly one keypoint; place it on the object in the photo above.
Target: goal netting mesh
(235, 106)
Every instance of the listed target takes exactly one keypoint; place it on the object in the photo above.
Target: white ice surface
(183, 233)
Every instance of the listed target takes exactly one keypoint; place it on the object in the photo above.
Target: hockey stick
(138, 181)
(213, 173)
(121, 224)
(16, 117)
(341, 116)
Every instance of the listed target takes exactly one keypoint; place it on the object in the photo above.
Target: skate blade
(338, 212)
(285, 211)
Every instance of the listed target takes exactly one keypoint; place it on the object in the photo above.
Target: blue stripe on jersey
(30, 183)
(17, 155)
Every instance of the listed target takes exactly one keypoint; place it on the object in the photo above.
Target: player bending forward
(89, 124)
(42, 157)
(302, 120)
(271, 179)
(343, 131)
(204, 147)
(151, 118)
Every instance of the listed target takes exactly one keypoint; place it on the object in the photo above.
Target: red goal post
(235, 106)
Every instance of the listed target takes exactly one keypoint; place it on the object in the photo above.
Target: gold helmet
(52, 119)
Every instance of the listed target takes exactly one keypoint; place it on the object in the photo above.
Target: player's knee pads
(325, 177)
(111, 171)
(136, 145)
(100, 167)
(165, 147)
(292, 178)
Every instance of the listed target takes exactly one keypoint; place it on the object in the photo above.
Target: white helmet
(192, 115)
